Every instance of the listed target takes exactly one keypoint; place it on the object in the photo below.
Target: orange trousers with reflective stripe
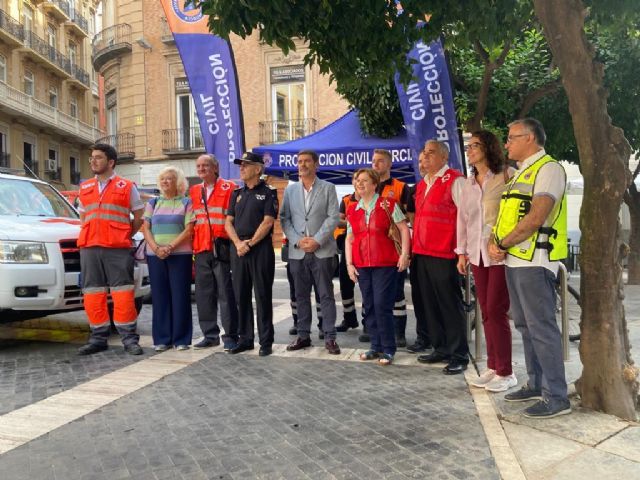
(124, 307)
(95, 305)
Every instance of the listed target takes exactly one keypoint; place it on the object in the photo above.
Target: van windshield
(22, 197)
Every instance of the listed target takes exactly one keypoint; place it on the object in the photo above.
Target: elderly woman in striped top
(168, 226)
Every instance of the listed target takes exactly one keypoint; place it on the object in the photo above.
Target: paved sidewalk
(582, 446)
(296, 415)
(245, 417)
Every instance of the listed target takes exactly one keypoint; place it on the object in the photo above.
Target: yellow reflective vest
(516, 203)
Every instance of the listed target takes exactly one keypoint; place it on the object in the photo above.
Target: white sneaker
(182, 347)
(161, 348)
(484, 378)
(502, 384)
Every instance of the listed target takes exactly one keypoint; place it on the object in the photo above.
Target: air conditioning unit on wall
(51, 165)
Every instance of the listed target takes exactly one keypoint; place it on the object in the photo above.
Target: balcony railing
(79, 20)
(21, 104)
(47, 52)
(182, 140)
(124, 143)
(277, 131)
(58, 8)
(110, 43)
(13, 27)
(5, 160)
(80, 74)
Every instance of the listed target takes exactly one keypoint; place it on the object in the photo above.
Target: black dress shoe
(401, 341)
(434, 357)
(345, 325)
(91, 348)
(299, 344)
(133, 349)
(265, 351)
(454, 368)
(293, 330)
(419, 346)
(241, 348)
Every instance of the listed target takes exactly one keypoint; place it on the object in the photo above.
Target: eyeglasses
(472, 146)
(511, 138)
(95, 159)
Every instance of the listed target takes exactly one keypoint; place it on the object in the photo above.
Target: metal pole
(467, 300)
(479, 331)
(562, 278)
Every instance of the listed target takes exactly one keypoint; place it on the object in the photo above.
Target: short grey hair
(212, 159)
(534, 127)
(441, 146)
(181, 181)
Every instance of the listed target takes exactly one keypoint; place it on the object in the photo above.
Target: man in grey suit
(309, 215)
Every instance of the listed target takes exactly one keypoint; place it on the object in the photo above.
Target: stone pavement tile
(549, 449)
(33, 371)
(363, 422)
(582, 425)
(591, 463)
(625, 443)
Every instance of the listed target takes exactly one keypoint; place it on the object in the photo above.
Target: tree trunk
(609, 379)
(632, 199)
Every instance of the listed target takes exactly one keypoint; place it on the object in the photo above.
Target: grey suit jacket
(319, 219)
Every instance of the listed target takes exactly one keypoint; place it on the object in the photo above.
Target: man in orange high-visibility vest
(211, 247)
(106, 260)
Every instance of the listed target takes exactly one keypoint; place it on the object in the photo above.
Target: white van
(39, 256)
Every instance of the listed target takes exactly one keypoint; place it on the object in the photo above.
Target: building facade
(49, 108)
(149, 114)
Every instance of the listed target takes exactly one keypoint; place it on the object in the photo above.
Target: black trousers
(254, 271)
(347, 287)
(213, 287)
(438, 286)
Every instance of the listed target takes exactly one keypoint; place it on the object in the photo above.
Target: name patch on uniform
(87, 185)
(260, 197)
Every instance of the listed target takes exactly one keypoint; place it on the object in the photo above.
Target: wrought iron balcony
(80, 75)
(110, 43)
(59, 9)
(11, 30)
(24, 106)
(278, 131)
(182, 140)
(78, 24)
(42, 52)
(124, 143)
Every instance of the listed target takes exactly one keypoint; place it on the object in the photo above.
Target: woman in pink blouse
(477, 214)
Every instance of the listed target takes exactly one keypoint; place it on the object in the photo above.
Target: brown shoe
(332, 347)
(299, 344)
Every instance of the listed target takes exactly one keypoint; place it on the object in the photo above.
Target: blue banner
(427, 104)
(211, 72)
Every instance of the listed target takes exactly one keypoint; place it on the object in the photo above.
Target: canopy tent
(343, 149)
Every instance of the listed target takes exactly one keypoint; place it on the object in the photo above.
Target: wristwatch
(502, 247)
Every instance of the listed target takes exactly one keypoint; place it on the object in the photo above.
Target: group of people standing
(509, 226)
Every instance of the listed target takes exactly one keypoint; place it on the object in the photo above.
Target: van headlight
(23, 252)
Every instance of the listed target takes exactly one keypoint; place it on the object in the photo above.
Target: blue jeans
(171, 321)
(378, 286)
(533, 309)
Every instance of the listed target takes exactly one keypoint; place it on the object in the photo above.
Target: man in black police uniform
(250, 218)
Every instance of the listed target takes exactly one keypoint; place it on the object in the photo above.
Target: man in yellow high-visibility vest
(531, 236)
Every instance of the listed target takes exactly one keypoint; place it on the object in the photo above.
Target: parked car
(39, 255)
